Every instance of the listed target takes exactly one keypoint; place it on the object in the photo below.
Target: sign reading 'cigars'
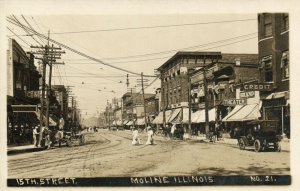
(258, 87)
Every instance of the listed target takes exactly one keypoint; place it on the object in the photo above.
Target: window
(285, 22)
(267, 25)
(266, 63)
(285, 65)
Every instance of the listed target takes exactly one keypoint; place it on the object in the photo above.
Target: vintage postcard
(158, 98)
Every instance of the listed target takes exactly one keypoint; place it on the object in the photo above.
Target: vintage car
(262, 134)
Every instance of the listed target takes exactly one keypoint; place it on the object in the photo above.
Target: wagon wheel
(277, 146)
(69, 142)
(257, 145)
(242, 144)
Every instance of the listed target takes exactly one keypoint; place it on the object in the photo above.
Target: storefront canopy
(140, 121)
(276, 95)
(129, 123)
(119, 122)
(51, 120)
(243, 113)
(159, 118)
(199, 116)
(174, 114)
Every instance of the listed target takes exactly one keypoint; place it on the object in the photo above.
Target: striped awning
(243, 113)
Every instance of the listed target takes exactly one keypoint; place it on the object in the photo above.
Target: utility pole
(163, 98)
(142, 83)
(205, 97)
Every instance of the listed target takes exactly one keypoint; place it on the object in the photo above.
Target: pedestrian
(35, 135)
(16, 135)
(150, 140)
(135, 138)
(173, 128)
(47, 134)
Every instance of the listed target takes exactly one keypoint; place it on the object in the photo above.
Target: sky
(138, 43)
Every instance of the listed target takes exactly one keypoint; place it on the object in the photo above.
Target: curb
(28, 150)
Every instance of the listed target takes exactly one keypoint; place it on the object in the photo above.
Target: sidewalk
(11, 150)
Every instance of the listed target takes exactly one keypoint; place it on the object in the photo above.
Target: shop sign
(24, 108)
(258, 87)
(274, 102)
(233, 102)
(248, 94)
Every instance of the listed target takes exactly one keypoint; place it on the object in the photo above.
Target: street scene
(148, 96)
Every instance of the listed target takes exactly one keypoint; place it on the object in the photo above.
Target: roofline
(190, 53)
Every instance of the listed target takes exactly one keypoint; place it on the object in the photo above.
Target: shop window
(285, 22)
(285, 65)
(268, 25)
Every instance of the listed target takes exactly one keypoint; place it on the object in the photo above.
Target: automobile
(261, 134)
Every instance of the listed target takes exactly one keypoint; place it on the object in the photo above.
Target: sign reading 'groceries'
(258, 87)
(233, 102)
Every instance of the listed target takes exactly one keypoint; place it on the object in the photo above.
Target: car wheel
(242, 144)
(277, 146)
(257, 145)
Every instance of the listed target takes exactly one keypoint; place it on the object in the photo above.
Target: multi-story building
(133, 106)
(273, 53)
(23, 94)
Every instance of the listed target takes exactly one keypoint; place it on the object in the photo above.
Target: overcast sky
(88, 77)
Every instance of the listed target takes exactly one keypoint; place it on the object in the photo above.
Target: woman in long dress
(150, 133)
(135, 138)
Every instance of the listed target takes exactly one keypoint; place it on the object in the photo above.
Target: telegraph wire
(32, 28)
(18, 36)
(76, 51)
(152, 27)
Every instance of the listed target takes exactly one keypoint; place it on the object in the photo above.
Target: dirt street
(110, 154)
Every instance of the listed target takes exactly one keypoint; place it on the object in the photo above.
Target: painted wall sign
(233, 102)
(258, 87)
(248, 94)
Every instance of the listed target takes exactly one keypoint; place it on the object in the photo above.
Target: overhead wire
(156, 26)
(75, 51)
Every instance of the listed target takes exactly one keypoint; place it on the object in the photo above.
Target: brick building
(273, 53)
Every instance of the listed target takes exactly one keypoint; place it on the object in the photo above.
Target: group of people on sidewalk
(137, 141)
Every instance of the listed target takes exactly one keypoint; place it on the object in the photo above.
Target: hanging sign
(233, 102)
(248, 94)
(258, 87)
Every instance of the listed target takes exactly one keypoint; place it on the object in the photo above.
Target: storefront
(276, 107)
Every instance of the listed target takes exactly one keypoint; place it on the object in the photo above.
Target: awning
(119, 122)
(185, 116)
(243, 113)
(275, 95)
(140, 121)
(125, 122)
(51, 120)
(211, 115)
(174, 114)
(159, 118)
(129, 123)
(114, 123)
(197, 115)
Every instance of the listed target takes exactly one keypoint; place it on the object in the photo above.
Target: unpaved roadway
(110, 154)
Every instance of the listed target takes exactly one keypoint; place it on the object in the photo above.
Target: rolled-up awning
(243, 113)
(140, 121)
(159, 118)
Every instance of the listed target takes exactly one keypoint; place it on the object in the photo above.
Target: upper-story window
(285, 22)
(267, 25)
(266, 63)
(285, 65)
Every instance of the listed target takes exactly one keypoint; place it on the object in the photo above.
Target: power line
(31, 27)
(156, 26)
(75, 51)
(18, 36)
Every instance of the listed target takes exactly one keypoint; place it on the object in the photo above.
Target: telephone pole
(142, 82)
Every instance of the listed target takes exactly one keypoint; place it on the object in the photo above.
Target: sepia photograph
(147, 100)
